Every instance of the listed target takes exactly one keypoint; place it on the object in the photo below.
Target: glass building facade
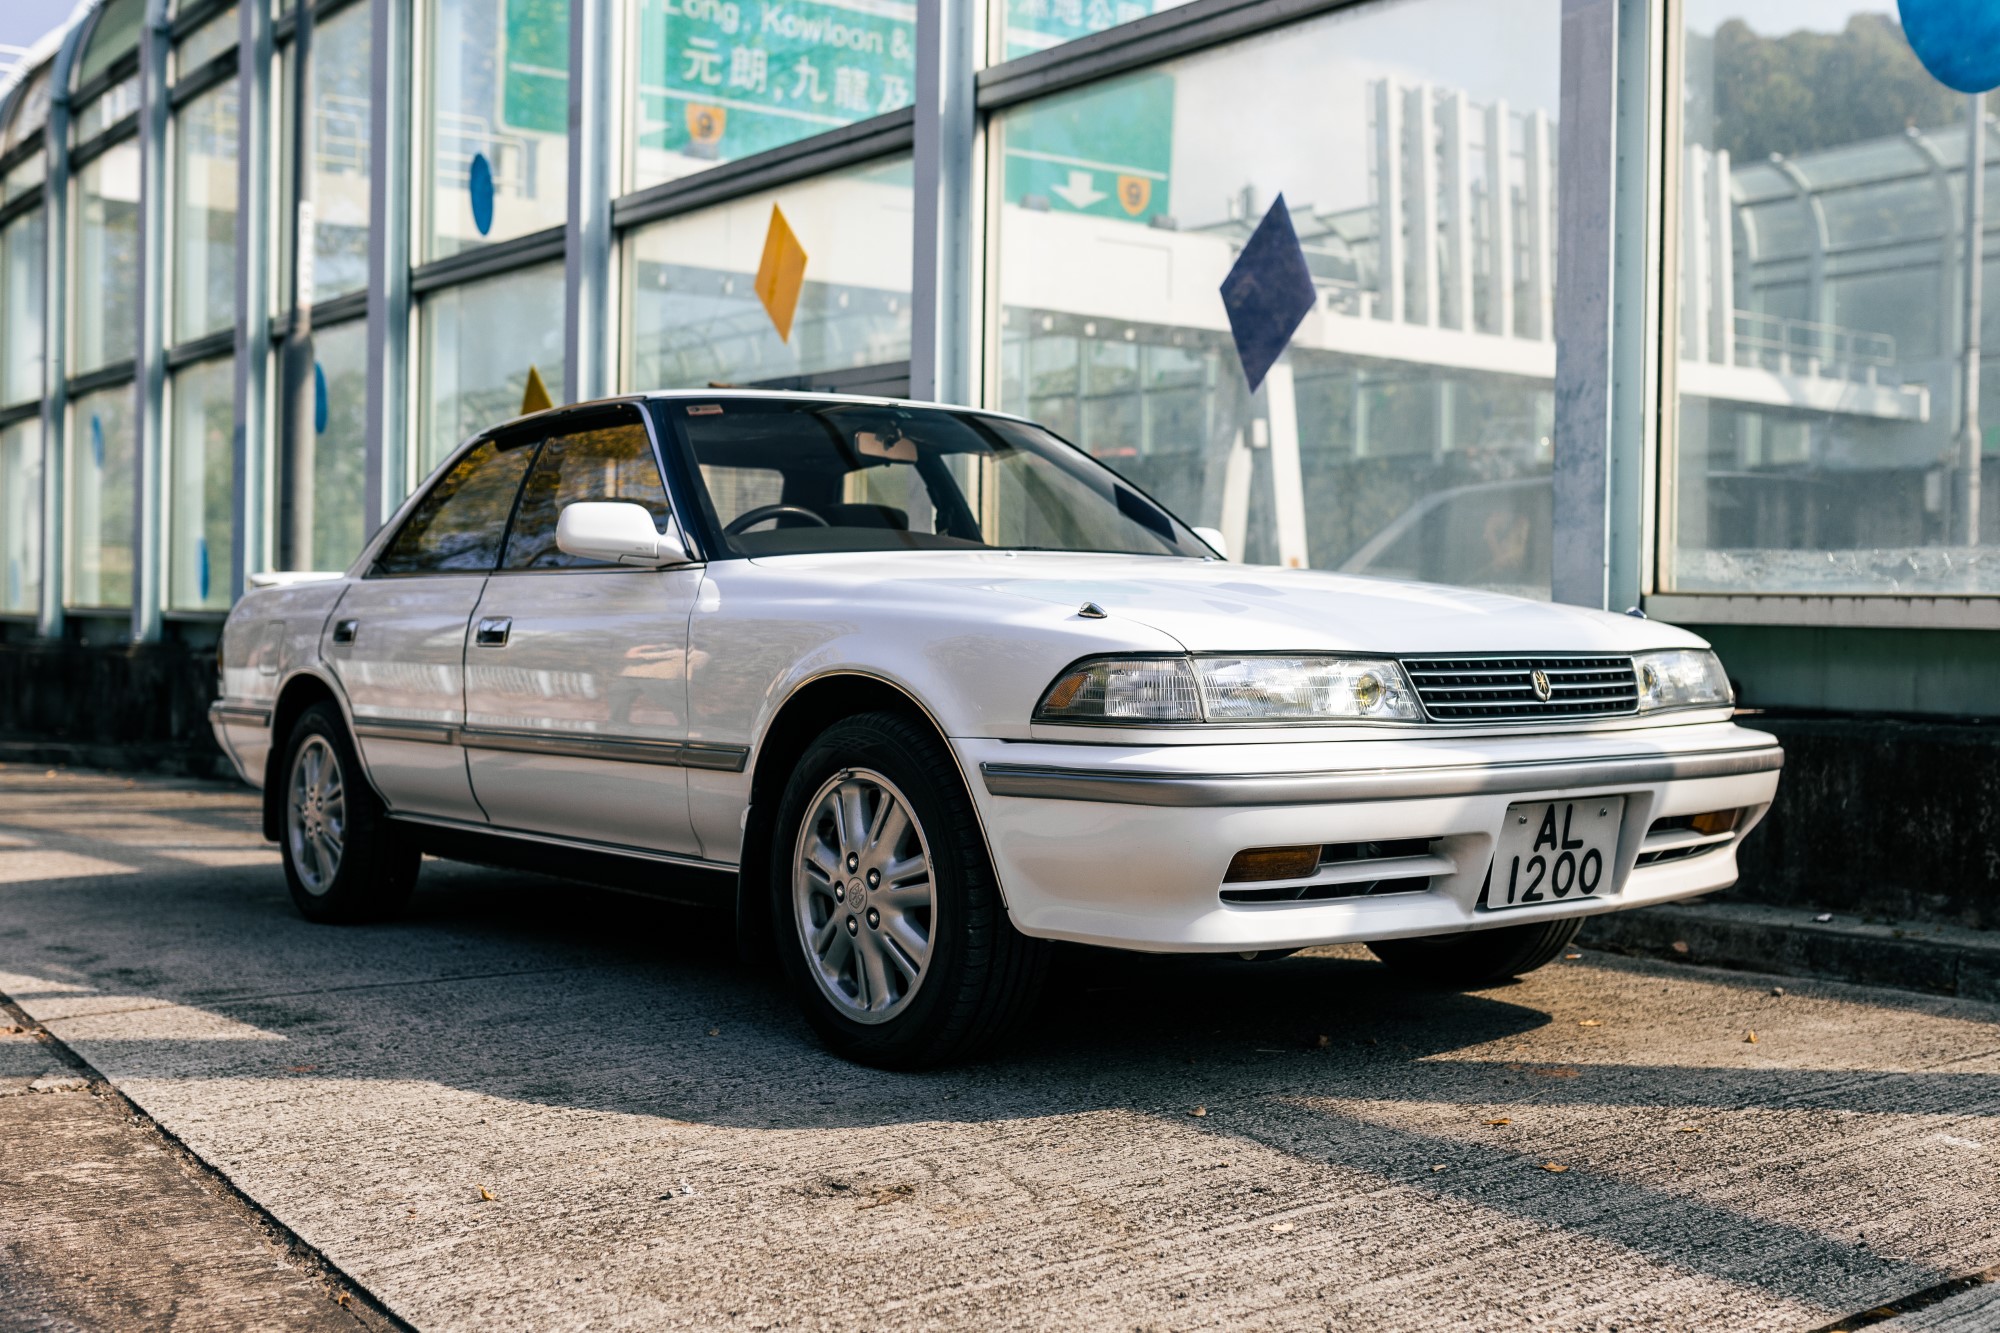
(265, 263)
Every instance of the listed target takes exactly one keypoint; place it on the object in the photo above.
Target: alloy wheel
(316, 815)
(863, 895)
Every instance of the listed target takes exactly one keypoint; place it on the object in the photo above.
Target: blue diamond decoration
(479, 184)
(1958, 41)
(1268, 293)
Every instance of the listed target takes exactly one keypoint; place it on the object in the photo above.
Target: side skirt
(653, 875)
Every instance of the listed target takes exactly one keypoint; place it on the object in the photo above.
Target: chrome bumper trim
(222, 712)
(1372, 784)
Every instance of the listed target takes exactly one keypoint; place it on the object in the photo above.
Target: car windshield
(796, 477)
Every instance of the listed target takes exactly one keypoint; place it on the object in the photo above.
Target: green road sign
(535, 90)
(1104, 150)
(1036, 25)
(728, 78)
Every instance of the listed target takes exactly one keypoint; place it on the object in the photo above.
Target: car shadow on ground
(561, 995)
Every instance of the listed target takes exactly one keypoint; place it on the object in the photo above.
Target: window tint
(611, 463)
(461, 522)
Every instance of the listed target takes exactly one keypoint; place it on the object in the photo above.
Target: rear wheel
(344, 860)
(1478, 958)
(890, 925)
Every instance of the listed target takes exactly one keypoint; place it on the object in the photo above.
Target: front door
(397, 639)
(576, 672)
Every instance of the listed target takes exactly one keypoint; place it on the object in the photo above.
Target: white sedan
(932, 689)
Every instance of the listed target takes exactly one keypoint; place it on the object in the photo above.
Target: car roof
(711, 395)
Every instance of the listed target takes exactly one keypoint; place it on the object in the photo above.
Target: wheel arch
(813, 706)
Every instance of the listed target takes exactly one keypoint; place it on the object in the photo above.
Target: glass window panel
(23, 292)
(21, 517)
(339, 460)
(106, 262)
(1821, 446)
(479, 342)
(116, 33)
(101, 480)
(205, 43)
(105, 110)
(1415, 400)
(25, 176)
(1029, 26)
(204, 236)
(200, 471)
(696, 318)
(497, 121)
(31, 113)
(339, 141)
(611, 463)
(722, 79)
(459, 525)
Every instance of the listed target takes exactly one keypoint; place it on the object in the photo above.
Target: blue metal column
(149, 535)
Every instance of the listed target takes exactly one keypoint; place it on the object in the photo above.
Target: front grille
(1502, 689)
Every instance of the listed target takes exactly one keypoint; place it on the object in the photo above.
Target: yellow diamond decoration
(535, 398)
(781, 274)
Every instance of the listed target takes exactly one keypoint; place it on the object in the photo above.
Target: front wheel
(1479, 958)
(889, 921)
(344, 860)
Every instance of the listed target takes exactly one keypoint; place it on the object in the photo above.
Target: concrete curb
(1938, 960)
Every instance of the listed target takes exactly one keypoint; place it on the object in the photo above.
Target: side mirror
(1214, 537)
(619, 533)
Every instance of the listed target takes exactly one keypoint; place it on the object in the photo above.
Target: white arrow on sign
(1081, 192)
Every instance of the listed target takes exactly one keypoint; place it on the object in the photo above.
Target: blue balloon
(480, 186)
(1957, 40)
(319, 399)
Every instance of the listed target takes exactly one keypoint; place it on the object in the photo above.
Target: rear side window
(611, 462)
(460, 523)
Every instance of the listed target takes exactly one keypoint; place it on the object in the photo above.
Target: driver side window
(603, 461)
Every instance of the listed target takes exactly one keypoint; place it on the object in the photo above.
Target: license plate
(1555, 851)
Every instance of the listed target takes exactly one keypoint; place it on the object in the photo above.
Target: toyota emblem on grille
(1542, 687)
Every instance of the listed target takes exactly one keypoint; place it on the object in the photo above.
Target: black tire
(980, 976)
(1479, 958)
(374, 866)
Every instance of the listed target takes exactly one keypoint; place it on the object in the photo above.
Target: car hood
(1217, 607)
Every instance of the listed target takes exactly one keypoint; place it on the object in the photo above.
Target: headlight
(1681, 678)
(1232, 689)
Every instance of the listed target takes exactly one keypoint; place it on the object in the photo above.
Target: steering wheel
(750, 518)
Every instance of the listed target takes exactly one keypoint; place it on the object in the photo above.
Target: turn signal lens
(1714, 821)
(1131, 689)
(1264, 863)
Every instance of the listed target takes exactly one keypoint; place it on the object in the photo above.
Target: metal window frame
(487, 261)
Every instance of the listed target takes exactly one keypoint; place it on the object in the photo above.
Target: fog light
(1260, 863)
(1715, 821)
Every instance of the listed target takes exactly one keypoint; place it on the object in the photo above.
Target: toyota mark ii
(924, 689)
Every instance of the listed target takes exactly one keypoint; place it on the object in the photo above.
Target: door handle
(492, 631)
(343, 630)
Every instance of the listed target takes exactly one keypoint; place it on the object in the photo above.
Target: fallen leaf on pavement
(486, 1195)
(1687, 1129)
(1503, 1120)
(1590, 1022)
(1680, 946)
(1556, 1167)
(1199, 1112)
(1283, 1228)
(715, 1032)
(1751, 1036)
(1572, 957)
(1438, 1167)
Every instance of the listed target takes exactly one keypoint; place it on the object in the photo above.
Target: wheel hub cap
(316, 815)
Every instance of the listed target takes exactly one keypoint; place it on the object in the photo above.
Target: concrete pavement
(538, 1105)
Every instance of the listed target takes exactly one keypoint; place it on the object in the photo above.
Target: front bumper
(1127, 845)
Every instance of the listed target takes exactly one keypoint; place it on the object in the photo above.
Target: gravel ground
(538, 1105)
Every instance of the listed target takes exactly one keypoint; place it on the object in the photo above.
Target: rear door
(576, 672)
(397, 639)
